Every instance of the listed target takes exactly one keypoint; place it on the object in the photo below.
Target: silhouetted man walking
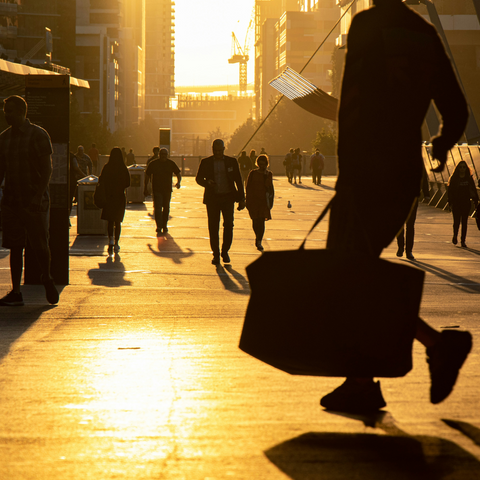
(395, 65)
(26, 166)
(162, 169)
(221, 178)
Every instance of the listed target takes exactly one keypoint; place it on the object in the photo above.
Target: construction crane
(240, 56)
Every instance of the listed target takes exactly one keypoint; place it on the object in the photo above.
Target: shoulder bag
(327, 312)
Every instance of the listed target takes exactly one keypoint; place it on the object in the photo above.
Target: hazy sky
(203, 40)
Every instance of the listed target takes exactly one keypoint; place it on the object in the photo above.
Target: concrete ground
(136, 373)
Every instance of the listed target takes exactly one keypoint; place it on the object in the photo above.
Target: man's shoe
(353, 397)
(454, 240)
(225, 257)
(216, 260)
(259, 246)
(400, 252)
(445, 359)
(165, 230)
(12, 299)
(51, 291)
(464, 245)
(116, 248)
(410, 256)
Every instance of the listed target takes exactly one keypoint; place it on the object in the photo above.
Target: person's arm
(473, 190)
(450, 102)
(179, 179)
(238, 182)
(45, 172)
(76, 168)
(201, 178)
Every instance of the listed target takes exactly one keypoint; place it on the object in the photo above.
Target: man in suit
(221, 178)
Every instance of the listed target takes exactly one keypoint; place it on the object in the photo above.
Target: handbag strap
(317, 221)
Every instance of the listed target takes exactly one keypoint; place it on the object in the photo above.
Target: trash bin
(136, 188)
(88, 214)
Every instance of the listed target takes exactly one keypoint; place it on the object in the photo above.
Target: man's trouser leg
(167, 196)
(227, 213)
(410, 228)
(158, 209)
(213, 214)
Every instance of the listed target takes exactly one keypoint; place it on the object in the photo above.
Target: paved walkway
(136, 374)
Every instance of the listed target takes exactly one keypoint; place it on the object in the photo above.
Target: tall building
(110, 54)
(159, 56)
(288, 32)
(23, 34)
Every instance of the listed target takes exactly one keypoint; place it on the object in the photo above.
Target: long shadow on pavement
(15, 321)
(109, 274)
(169, 248)
(394, 456)
(242, 287)
(470, 431)
(461, 283)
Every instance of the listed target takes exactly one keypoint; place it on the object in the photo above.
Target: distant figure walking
(461, 191)
(221, 178)
(259, 198)
(116, 179)
(26, 166)
(288, 165)
(131, 158)
(395, 64)
(156, 151)
(84, 161)
(406, 237)
(297, 166)
(245, 164)
(317, 164)
(160, 172)
(94, 155)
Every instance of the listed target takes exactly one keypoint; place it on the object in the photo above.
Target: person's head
(291, 150)
(244, 153)
(262, 162)
(218, 148)
(163, 154)
(462, 169)
(116, 157)
(15, 110)
(80, 149)
(297, 150)
(317, 152)
(131, 150)
(155, 151)
(252, 153)
(94, 145)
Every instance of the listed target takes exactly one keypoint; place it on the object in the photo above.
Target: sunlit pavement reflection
(136, 373)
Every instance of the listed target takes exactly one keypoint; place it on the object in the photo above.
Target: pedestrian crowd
(359, 225)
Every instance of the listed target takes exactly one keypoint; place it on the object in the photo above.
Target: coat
(206, 172)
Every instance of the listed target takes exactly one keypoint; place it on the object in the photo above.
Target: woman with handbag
(259, 198)
(115, 178)
(461, 190)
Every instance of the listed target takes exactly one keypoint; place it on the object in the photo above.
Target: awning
(305, 94)
(20, 69)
